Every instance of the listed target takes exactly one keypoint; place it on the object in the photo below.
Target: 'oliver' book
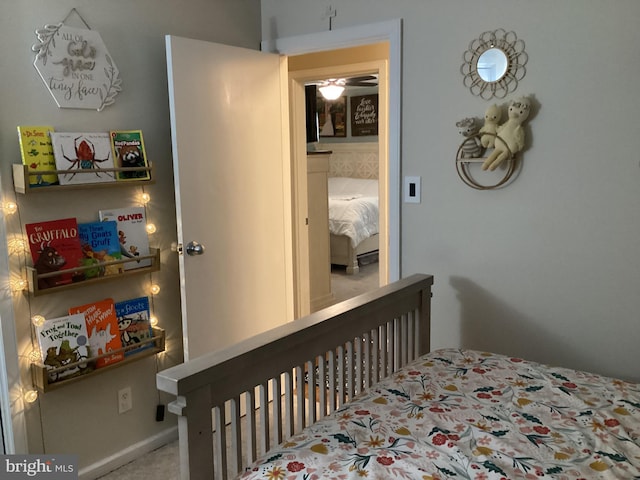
(100, 244)
(134, 322)
(37, 154)
(102, 327)
(132, 233)
(63, 341)
(55, 246)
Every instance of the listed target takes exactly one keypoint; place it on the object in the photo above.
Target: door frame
(297, 81)
(388, 31)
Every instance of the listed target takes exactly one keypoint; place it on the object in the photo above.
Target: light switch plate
(412, 189)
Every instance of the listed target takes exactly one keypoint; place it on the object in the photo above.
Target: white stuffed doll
(510, 138)
(468, 128)
(491, 120)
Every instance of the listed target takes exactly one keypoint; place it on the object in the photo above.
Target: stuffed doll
(491, 120)
(510, 138)
(468, 128)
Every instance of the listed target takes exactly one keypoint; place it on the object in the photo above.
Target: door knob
(194, 248)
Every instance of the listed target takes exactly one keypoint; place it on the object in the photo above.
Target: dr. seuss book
(134, 323)
(55, 246)
(37, 154)
(129, 152)
(83, 157)
(100, 244)
(132, 233)
(102, 327)
(64, 341)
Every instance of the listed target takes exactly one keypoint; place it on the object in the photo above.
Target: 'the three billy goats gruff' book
(100, 244)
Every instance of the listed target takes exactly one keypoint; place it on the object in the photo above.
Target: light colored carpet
(164, 463)
(345, 286)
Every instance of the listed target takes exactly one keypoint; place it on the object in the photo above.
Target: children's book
(134, 323)
(55, 246)
(128, 150)
(132, 233)
(37, 154)
(84, 156)
(100, 244)
(64, 341)
(102, 327)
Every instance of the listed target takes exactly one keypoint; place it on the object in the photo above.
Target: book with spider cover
(37, 154)
(84, 156)
(128, 150)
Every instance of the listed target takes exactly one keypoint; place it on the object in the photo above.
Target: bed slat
(292, 376)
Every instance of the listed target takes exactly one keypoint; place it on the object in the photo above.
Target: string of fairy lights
(18, 284)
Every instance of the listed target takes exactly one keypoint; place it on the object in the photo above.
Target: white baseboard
(129, 454)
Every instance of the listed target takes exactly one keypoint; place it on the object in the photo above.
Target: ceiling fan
(332, 88)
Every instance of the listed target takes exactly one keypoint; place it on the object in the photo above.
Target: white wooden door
(229, 125)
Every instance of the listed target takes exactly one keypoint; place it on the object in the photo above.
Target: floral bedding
(461, 414)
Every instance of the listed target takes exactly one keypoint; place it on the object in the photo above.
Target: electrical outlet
(125, 401)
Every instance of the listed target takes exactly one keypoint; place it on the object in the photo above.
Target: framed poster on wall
(332, 117)
(364, 115)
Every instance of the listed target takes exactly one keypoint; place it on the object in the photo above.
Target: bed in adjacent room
(353, 220)
(361, 396)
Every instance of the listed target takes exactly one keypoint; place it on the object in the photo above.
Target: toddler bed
(353, 220)
(359, 396)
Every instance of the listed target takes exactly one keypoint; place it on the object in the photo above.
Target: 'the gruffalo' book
(55, 246)
(37, 154)
(102, 327)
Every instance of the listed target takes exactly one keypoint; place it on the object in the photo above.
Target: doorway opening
(358, 159)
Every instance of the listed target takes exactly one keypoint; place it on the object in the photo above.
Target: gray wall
(547, 268)
(82, 418)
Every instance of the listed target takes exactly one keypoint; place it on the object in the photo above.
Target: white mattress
(353, 208)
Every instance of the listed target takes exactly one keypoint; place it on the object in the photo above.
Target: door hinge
(177, 247)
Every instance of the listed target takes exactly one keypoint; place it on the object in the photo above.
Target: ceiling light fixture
(331, 89)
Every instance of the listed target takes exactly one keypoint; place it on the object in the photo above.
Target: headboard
(353, 160)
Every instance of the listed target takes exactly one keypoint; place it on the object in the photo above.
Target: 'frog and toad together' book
(64, 341)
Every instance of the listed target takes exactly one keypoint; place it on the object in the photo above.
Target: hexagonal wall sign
(76, 67)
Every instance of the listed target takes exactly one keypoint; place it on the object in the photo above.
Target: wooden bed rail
(237, 403)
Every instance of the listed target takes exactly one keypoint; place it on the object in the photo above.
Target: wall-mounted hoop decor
(463, 166)
(494, 64)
